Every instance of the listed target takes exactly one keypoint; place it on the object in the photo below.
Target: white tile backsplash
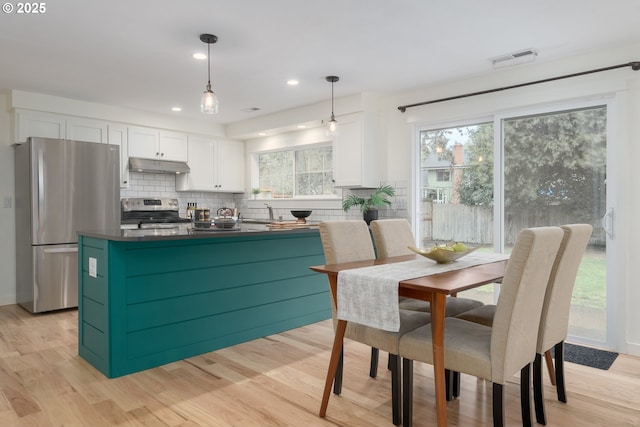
(164, 185)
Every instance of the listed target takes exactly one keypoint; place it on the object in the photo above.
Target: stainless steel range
(152, 213)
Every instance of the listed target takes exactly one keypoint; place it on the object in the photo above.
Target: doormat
(587, 356)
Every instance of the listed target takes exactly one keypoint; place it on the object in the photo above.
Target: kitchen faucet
(270, 211)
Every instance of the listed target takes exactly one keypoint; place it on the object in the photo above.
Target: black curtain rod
(635, 65)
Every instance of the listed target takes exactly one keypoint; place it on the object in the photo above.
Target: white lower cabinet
(216, 165)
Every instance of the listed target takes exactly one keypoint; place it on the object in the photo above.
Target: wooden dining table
(433, 288)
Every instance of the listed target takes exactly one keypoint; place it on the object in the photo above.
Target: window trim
(304, 201)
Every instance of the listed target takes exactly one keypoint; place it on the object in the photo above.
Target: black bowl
(301, 214)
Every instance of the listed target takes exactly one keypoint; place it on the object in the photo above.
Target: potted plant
(369, 206)
(255, 192)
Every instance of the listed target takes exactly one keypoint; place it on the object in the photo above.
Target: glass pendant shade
(332, 126)
(209, 102)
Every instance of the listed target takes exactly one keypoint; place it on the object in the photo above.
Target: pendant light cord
(332, 100)
(209, 63)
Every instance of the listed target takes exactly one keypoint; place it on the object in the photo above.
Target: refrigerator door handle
(60, 250)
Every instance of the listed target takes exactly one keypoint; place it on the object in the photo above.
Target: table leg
(438, 304)
(333, 364)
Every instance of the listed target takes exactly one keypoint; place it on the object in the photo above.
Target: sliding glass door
(554, 170)
(481, 183)
(456, 190)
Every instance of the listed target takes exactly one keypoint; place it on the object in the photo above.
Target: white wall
(623, 85)
(7, 216)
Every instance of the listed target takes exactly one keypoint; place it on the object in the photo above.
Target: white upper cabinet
(355, 152)
(43, 125)
(173, 146)
(151, 143)
(230, 166)
(216, 166)
(200, 160)
(79, 129)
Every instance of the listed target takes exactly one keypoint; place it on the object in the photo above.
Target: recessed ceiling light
(262, 134)
(301, 127)
(176, 108)
(293, 82)
(199, 56)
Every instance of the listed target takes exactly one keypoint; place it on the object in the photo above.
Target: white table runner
(369, 295)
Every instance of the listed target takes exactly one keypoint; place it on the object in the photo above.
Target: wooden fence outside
(474, 224)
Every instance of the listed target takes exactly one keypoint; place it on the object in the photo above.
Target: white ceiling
(138, 53)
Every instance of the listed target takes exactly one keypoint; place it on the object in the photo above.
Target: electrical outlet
(6, 202)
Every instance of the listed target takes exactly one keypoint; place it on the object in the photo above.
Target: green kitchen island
(145, 300)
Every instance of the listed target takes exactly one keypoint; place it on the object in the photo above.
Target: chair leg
(559, 351)
(407, 392)
(456, 384)
(396, 392)
(452, 384)
(498, 406)
(538, 391)
(337, 379)
(525, 395)
(373, 369)
(552, 372)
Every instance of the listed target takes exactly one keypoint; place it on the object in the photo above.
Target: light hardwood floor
(274, 381)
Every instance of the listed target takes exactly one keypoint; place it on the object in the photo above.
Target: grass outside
(589, 291)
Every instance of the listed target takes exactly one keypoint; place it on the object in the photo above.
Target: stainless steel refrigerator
(61, 186)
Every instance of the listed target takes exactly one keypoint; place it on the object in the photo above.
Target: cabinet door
(230, 166)
(173, 146)
(86, 130)
(200, 158)
(347, 153)
(143, 142)
(117, 135)
(42, 125)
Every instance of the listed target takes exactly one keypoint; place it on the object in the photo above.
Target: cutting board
(289, 224)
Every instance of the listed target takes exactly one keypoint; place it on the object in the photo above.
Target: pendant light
(332, 124)
(209, 103)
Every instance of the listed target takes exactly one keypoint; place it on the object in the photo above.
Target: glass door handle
(607, 223)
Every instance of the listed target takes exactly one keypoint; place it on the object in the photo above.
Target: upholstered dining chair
(495, 353)
(554, 320)
(349, 241)
(392, 237)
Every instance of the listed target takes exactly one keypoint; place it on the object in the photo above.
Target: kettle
(224, 212)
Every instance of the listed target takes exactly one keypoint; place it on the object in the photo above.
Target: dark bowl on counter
(301, 214)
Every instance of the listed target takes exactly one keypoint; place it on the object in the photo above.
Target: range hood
(137, 164)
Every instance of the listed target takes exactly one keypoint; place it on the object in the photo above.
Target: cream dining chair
(349, 241)
(392, 237)
(495, 353)
(554, 320)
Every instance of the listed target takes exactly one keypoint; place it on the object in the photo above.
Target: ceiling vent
(514, 58)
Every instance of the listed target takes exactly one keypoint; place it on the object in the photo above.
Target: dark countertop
(183, 233)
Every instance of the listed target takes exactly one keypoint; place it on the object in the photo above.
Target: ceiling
(138, 54)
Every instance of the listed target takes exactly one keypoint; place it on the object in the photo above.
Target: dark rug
(588, 356)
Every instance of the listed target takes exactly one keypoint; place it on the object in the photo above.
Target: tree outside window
(297, 173)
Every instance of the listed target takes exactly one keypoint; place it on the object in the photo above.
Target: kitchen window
(301, 172)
